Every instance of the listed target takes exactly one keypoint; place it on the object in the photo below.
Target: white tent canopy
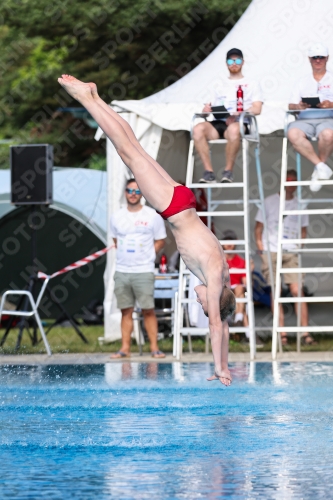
(274, 37)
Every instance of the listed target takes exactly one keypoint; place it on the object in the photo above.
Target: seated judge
(315, 123)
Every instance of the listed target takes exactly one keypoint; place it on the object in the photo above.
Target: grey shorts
(312, 128)
(288, 260)
(130, 287)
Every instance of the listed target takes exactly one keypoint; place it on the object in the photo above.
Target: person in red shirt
(237, 281)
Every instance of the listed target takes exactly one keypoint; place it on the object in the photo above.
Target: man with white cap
(317, 123)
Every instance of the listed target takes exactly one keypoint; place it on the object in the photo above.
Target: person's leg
(302, 145)
(304, 307)
(202, 133)
(125, 302)
(292, 280)
(126, 332)
(150, 322)
(154, 186)
(143, 286)
(239, 292)
(325, 144)
(232, 134)
(306, 337)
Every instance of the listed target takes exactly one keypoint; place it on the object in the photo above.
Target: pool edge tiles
(102, 358)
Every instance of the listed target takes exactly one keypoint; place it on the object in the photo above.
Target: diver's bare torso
(199, 248)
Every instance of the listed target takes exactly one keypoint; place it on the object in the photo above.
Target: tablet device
(313, 101)
(220, 116)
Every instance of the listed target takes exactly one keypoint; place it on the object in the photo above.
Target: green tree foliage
(130, 48)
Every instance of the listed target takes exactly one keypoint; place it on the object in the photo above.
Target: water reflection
(275, 373)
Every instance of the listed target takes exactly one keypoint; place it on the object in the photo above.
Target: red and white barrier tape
(78, 263)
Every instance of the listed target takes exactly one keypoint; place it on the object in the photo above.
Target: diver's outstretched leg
(155, 188)
(125, 126)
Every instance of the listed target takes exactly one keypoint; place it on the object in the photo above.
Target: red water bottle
(240, 96)
(163, 264)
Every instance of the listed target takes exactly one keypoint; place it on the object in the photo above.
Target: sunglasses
(230, 62)
(132, 191)
(318, 57)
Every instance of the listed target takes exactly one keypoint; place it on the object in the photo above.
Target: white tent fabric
(274, 37)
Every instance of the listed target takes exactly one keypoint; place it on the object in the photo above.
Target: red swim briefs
(182, 199)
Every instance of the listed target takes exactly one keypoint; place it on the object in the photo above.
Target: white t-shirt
(135, 233)
(309, 87)
(226, 93)
(290, 222)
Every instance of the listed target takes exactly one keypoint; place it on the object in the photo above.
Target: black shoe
(227, 176)
(208, 177)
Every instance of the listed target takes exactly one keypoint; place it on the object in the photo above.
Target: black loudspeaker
(31, 174)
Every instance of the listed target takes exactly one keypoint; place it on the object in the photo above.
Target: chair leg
(137, 330)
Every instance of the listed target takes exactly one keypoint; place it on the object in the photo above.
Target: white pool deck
(102, 358)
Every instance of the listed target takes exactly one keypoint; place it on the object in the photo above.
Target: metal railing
(302, 210)
(248, 119)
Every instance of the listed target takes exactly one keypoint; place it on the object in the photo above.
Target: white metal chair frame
(253, 136)
(28, 314)
(302, 202)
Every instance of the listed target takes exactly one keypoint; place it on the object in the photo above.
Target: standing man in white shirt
(314, 123)
(139, 234)
(227, 128)
(289, 259)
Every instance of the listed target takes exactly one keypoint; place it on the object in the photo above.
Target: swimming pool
(160, 431)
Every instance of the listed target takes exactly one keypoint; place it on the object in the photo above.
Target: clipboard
(313, 101)
(220, 116)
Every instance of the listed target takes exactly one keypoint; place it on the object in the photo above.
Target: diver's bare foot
(79, 90)
(92, 85)
(224, 377)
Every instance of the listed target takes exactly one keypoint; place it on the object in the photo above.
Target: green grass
(66, 340)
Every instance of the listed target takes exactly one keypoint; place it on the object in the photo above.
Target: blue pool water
(160, 431)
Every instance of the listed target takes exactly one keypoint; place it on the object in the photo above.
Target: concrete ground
(102, 358)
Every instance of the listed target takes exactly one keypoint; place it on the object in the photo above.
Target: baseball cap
(229, 234)
(236, 52)
(318, 49)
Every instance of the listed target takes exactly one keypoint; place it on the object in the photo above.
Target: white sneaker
(321, 171)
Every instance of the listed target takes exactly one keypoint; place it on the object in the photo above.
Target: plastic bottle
(240, 96)
(163, 264)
